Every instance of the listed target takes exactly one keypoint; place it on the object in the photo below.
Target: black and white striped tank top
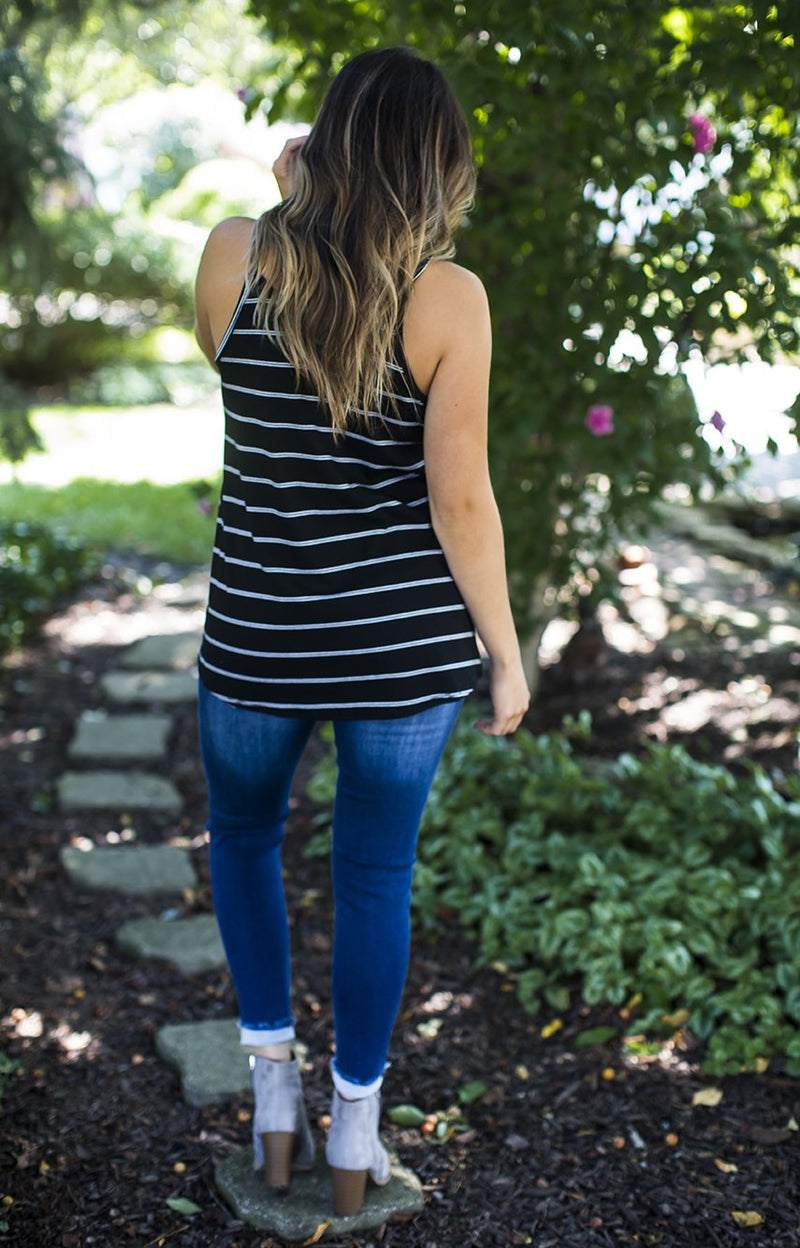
(330, 595)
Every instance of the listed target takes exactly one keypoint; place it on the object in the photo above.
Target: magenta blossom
(705, 136)
(717, 421)
(598, 420)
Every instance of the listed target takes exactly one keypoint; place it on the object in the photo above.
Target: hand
(283, 169)
(511, 698)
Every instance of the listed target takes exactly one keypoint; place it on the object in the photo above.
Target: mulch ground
(568, 1147)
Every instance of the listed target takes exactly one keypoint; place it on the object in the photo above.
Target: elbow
(463, 513)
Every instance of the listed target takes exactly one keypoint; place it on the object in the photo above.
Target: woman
(358, 548)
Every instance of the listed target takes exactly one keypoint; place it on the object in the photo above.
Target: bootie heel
(349, 1187)
(278, 1147)
(282, 1139)
(353, 1151)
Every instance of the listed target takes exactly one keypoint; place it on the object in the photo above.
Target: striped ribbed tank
(330, 595)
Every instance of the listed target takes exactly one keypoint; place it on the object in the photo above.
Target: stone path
(107, 754)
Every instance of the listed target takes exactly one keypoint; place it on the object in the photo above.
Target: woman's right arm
(463, 507)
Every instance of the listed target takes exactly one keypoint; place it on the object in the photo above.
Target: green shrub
(37, 567)
(657, 875)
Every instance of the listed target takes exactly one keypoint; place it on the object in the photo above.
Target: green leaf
(181, 1205)
(595, 1035)
(471, 1091)
(407, 1115)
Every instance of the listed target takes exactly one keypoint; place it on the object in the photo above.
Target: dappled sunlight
(164, 444)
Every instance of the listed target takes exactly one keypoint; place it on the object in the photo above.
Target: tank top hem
(353, 711)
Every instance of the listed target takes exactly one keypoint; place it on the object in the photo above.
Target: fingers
(287, 152)
(501, 725)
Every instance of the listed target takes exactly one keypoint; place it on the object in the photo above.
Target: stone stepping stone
(174, 651)
(213, 1066)
(141, 870)
(309, 1202)
(118, 790)
(194, 944)
(150, 686)
(120, 738)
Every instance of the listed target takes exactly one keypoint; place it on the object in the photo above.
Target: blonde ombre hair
(381, 183)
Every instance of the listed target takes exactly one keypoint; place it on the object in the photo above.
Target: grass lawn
(128, 478)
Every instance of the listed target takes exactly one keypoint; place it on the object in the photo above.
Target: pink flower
(705, 136)
(204, 507)
(717, 421)
(598, 420)
(241, 94)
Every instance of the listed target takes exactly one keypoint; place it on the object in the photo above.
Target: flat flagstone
(213, 1065)
(150, 686)
(309, 1202)
(120, 738)
(193, 944)
(137, 869)
(118, 790)
(176, 651)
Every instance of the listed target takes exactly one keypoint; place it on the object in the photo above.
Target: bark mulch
(568, 1147)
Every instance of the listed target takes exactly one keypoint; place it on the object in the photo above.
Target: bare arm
(463, 507)
(219, 281)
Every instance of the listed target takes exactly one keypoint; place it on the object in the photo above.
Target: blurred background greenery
(636, 227)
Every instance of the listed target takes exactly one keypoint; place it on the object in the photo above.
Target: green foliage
(37, 568)
(17, 435)
(659, 875)
(163, 521)
(612, 251)
(110, 280)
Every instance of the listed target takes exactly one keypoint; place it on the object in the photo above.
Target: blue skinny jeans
(386, 768)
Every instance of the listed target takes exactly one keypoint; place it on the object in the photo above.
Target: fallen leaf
(407, 1115)
(516, 1142)
(319, 1232)
(707, 1096)
(727, 1167)
(671, 1139)
(747, 1217)
(677, 1019)
(550, 1029)
(471, 1091)
(594, 1035)
(522, 1072)
(792, 1125)
(181, 1205)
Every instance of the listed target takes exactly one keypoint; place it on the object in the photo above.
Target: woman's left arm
(219, 282)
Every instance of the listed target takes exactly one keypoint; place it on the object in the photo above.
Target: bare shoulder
(230, 239)
(447, 319)
(450, 281)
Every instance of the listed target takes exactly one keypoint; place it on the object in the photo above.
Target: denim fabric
(386, 768)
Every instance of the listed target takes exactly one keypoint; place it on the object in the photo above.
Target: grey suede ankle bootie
(353, 1150)
(282, 1139)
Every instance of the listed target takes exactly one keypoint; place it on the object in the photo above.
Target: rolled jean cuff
(253, 1034)
(355, 1091)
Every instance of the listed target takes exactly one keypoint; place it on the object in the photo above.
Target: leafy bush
(657, 875)
(37, 567)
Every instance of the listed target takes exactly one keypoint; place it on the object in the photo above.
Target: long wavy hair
(384, 178)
